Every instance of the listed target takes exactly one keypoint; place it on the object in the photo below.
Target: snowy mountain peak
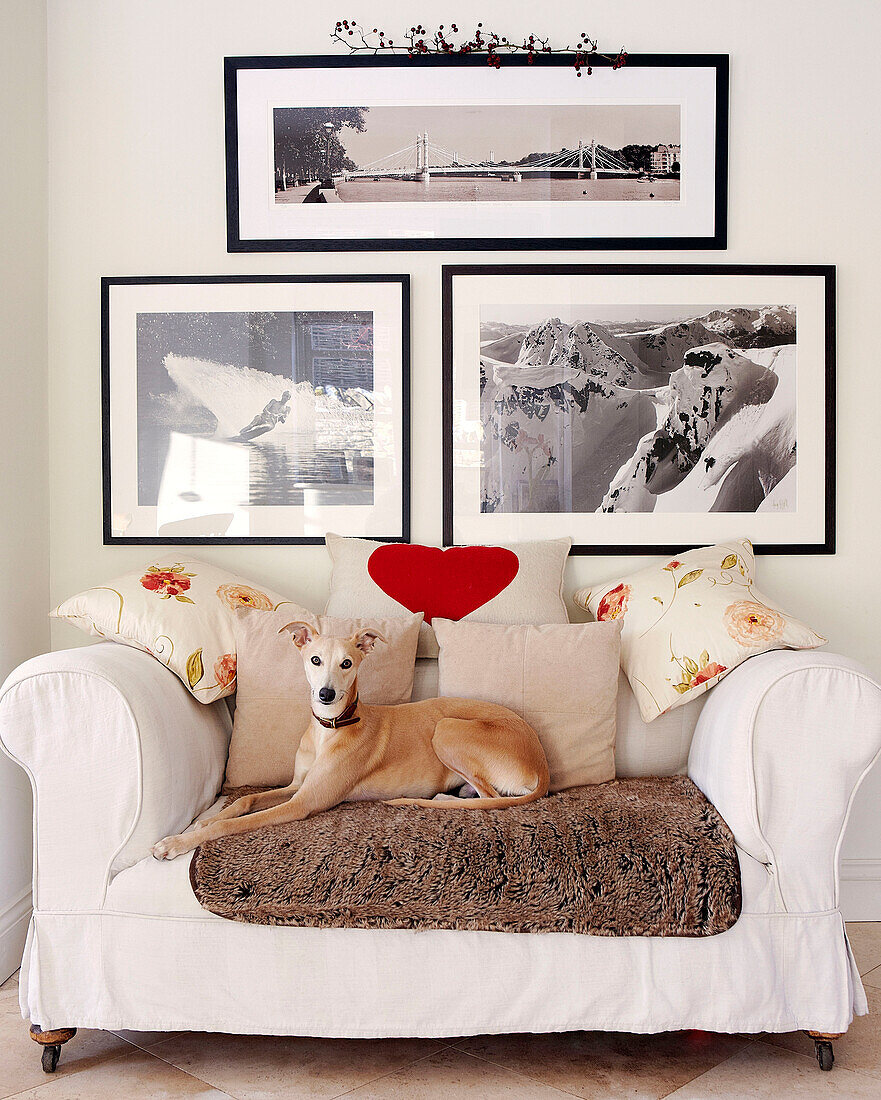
(780, 319)
(585, 342)
(544, 343)
(591, 348)
(753, 327)
(583, 347)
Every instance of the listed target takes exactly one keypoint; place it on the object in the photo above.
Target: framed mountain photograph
(640, 409)
(255, 409)
(447, 152)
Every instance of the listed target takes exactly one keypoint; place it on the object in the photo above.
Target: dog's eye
(346, 664)
(316, 660)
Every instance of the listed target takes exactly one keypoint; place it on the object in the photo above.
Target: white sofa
(119, 754)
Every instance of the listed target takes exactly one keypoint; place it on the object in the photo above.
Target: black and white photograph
(684, 412)
(692, 410)
(362, 152)
(478, 153)
(253, 422)
(306, 377)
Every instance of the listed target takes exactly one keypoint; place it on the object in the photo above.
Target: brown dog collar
(347, 718)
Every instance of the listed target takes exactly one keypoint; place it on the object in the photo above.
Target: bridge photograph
(469, 153)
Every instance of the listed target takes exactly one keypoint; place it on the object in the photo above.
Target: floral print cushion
(183, 612)
(689, 622)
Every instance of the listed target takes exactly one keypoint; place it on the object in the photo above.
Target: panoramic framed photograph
(640, 409)
(255, 409)
(447, 152)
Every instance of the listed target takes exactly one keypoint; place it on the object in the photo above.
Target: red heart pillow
(444, 584)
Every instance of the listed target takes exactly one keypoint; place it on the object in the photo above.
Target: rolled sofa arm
(780, 749)
(118, 753)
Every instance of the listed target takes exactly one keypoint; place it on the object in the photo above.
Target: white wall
(24, 511)
(137, 187)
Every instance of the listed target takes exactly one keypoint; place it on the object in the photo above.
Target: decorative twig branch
(417, 42)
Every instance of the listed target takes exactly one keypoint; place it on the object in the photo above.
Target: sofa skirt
(153, 960)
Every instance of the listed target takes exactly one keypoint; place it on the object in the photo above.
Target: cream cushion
(562, 679)
(273, 708)
(690, 620)
(180, 610)
(640, 749)
(534, 595)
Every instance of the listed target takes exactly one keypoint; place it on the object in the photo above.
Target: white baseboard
(860, 893)
(14, 919)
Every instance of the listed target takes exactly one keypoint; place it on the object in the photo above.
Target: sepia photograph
(372, 153)
(240, 422)
(478, 153)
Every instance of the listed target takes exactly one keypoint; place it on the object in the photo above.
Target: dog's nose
(326, 695)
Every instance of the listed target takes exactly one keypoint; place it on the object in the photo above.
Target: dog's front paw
(168, 848)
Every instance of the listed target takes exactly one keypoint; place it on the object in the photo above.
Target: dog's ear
(301, 633)
(365, 640)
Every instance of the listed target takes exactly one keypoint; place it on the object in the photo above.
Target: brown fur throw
(634, 857)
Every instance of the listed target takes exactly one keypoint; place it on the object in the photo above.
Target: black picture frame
(108, 282)
(233, 66)
(827, 272)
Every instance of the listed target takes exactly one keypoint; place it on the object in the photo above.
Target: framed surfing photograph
(255, 409)
(447, 152)
(640, 409)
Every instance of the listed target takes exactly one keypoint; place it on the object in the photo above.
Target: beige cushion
(640, 749)
(180, 610)
(273, 708)
(563, 680)
(534, 595)
(688, 621)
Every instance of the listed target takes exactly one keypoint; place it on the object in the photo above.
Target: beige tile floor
(99, 1065)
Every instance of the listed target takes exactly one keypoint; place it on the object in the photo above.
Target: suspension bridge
(422, 159)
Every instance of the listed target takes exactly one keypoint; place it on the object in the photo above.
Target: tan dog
(402, 754)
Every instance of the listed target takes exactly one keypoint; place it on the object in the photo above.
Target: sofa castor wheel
(51, 1042)
(825, 1055)
(50, 1057)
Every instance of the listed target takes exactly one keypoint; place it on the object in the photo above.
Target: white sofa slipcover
(119, 754)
